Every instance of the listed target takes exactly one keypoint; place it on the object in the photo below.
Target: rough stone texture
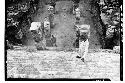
(64, 31)
(60, 64)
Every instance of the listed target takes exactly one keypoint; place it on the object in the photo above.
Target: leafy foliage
(18, 13)
(110, 15)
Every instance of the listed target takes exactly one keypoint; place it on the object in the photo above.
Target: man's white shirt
(35, 25)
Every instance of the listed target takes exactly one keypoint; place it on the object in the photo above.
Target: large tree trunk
(98, 25)
(91, 15)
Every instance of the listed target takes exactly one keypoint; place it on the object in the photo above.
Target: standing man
(35, 26)
(32, 6)
(53, 40)
(38, 35)
(77, 11)
(83, 41)
(50, 9)
(46, 26)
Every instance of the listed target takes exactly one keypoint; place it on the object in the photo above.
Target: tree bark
(91, 15)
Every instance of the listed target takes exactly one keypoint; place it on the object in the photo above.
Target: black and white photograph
(63, 40)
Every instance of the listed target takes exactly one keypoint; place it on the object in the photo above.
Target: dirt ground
(60, 64)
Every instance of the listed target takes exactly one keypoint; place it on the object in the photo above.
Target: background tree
(110, 15)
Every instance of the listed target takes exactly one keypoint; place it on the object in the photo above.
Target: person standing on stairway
(83, 41)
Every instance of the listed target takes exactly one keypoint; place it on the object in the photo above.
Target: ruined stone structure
(63, 21)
